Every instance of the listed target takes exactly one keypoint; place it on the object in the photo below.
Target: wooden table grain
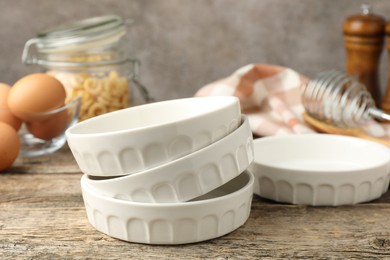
(42, 216)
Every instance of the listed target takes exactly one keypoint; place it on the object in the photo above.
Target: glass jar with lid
(88, 57)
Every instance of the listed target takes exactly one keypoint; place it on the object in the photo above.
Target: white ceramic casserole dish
(187, 177)
(320, 169)
(139, 138)
(210, 216)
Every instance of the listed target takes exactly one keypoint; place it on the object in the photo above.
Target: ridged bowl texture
(139, 138)
(187, 177)
(320, 169)
(213, 215)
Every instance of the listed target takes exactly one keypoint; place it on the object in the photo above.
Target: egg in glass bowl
(35, 107)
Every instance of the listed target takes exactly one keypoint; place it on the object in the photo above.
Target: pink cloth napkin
(271, 98)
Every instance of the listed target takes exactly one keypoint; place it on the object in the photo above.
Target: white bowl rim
(230, 100)
(191, 203)
(311, 172)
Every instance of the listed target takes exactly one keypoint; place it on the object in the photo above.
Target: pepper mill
(364, 39)
(386, 98)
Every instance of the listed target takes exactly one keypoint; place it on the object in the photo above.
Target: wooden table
(42, 216)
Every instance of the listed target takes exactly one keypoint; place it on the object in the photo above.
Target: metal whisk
(339, 99)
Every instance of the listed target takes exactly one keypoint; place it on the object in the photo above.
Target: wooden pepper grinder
(364, 39)
(386, 98)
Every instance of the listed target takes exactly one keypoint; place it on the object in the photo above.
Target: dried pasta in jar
(100, 93)
(91, 58)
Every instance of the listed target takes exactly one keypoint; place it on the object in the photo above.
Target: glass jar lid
(76, 36)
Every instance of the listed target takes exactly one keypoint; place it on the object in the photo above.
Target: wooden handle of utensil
(330, 129)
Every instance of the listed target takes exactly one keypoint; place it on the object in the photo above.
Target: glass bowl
(47, 135)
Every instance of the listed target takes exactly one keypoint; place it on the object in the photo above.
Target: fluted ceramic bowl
(139, 138)
(210, 216)
(185, 178)
(320, 169)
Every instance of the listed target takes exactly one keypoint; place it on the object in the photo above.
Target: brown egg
(50, 127)
(5, 114)
(9, 145)
(35, 93)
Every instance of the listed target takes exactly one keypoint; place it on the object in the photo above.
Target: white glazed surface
(320, 169)
(220, 212)
(188, 177)
(138, 138)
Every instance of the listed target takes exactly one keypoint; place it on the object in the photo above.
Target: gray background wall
(184, 44)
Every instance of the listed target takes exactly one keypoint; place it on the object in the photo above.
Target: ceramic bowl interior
(319, 153)
(320, 169)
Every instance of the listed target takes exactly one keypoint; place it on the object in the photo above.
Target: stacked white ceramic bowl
(170, 172)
